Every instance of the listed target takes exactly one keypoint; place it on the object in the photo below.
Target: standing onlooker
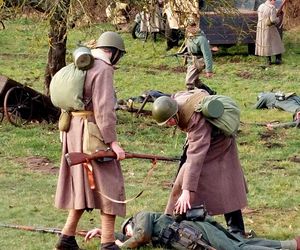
(268, 40)
(75, 189)
(211, 175)
(200, 55)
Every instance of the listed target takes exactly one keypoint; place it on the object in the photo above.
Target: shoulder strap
(188, 108)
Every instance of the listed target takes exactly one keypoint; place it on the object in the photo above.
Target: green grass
(273, 180)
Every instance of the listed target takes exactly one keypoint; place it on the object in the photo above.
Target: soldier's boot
(154, 36)
(278, 59)
(109, 246)
(200, 85)
(66, 242)
(235, 222)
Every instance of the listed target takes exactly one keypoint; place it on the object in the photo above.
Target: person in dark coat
(211, 174)
(153, 227)
(75, 191)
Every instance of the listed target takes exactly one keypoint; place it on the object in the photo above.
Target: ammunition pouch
(64, 121)
(197, 213)
(183, 236)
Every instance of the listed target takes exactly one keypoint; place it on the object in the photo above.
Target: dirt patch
(178, 69)
(244, 74)
(38, 164)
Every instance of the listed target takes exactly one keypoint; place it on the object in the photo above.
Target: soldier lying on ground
(163, 230)
(289, 102)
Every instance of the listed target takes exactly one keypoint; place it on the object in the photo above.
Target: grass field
(30, 155)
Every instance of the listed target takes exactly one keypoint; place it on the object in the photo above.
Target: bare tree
(57, 41)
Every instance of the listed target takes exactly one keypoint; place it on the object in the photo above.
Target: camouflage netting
(291, 14)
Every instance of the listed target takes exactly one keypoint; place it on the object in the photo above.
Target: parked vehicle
(239, 27)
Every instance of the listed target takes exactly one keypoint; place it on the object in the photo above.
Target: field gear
(66, 88)
(163, 109)
(111, 39)
(66, 242)
(229, 115)
(183, 236)
(83, 58)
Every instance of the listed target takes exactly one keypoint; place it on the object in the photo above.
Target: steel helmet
(163, 109)
(125, 223)
(111, 39)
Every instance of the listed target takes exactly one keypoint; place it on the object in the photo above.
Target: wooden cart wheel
(17, 106)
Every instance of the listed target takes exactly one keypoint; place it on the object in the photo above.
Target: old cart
(21, 104)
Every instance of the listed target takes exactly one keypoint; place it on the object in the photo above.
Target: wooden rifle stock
(74, 158)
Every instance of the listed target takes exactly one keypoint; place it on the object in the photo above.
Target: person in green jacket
(200, 55)
(163, 230)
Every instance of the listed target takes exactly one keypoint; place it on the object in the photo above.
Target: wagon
(21, 104)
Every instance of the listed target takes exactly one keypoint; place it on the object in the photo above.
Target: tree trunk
(57, 41)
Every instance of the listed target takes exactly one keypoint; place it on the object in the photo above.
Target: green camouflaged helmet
(125, 223)
(163, 109)
(111, 39)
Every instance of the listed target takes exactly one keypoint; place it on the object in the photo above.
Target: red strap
(89, 170)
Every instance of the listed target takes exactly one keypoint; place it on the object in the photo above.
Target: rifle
(40, 229)
(294, 124)
(74, 158)
(279, 11)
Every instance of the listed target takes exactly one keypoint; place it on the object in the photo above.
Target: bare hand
(183, 202)
(96, 232)
(118, 150)
(119, 243)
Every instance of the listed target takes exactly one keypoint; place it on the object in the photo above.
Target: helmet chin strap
(116, 55)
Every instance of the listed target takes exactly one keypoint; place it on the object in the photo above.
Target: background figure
(157, 228)
(268, 40)
(212, 174)
(74, 189)
(172, 26)
(151, 18)
(200, 54)
(118, 14)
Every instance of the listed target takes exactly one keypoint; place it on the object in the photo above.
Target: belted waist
(82, 113)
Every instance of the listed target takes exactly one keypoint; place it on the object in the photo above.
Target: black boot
(109, 246)
(269, 60)
(278, 59)
(200, 85)
(66, 242)
(235, 222)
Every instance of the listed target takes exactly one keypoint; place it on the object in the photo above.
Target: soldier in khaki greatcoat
(211, 174)
(75, 191)
(268, 40)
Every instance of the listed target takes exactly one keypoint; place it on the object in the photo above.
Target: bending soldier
(205, 233)
(212, 173)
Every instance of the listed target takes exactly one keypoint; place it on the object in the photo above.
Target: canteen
(83, 58)
(213, 109)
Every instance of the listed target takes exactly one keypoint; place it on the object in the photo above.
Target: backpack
(226, 113)
(66, 86)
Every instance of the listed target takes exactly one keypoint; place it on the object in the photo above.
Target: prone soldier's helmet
(111, 39)
(163, 109)
(125, 223)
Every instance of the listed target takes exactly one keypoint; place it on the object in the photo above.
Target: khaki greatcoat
(73, 190)
(268, 40)
(212, 171)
